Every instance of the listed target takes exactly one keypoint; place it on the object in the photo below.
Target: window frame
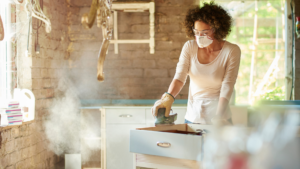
(6, 52)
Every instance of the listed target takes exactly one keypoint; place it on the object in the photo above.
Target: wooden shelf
(134, 7)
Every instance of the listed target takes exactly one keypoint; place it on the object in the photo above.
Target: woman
(212, 64)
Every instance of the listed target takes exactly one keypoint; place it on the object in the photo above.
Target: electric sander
(161, 119)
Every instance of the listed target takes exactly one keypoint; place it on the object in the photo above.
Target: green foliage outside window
(270, 43)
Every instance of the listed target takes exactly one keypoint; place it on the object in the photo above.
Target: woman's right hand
(166, 102)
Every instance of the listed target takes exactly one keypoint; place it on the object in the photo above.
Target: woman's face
(202, 29)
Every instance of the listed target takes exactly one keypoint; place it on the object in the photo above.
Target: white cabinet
(125, 115)
(117, 146)
(116, 123)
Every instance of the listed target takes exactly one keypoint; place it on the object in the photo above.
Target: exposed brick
(21, 165)
(15, 157)
(134, 92)
(156, 90)
(133, 47)
(37, 83)
(39, 104)
(140, 28)
(167, 45)
(32, 150)
(156, 73)
(15, 132)
(170, 28)
(33, 139)
(37, 93)
(124, 73)
(118, 64)
(43, 155)
(30, 162)
(135, 18)
(56, 63)
(47, 63)
(165, 63)
(44, 73)
(41, 165)
(36, 73)
(11, 167)
(9, 147)
(86, 46)
(46, 83)
(18, 143)
(123, 28)
(6, 135)
(163, 81)
(26, 141)
(172, 72)
(141, 82)
(138, 63)
(25, 153)
(40, 147)
(48, 102)
(52, 73)
(37, 62)
(4, 161)
(132, 54)
(179, 9)
(23, 130)
(37, 158)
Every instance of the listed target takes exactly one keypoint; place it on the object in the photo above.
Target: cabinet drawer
(125, 116)
(181, 146)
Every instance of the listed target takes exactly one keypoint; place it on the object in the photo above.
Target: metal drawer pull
(164, 144)
(125, 115)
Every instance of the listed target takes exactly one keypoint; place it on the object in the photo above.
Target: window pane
(262, 68)
(3, 53)
(7, 50)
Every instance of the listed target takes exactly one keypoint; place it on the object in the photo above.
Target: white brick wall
(26, 146)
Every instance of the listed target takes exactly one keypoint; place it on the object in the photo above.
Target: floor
(61, 165)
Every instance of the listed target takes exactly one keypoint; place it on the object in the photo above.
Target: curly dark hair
(211, 14)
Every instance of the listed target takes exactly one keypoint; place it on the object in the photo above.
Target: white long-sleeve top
(208, 82)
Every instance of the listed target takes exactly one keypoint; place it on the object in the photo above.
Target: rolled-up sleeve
(183, 65)
(231, 73)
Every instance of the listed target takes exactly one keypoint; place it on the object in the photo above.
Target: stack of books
(9, 104)
(11, 114)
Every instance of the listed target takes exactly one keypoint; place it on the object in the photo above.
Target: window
(259, 30)
(7, 50)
